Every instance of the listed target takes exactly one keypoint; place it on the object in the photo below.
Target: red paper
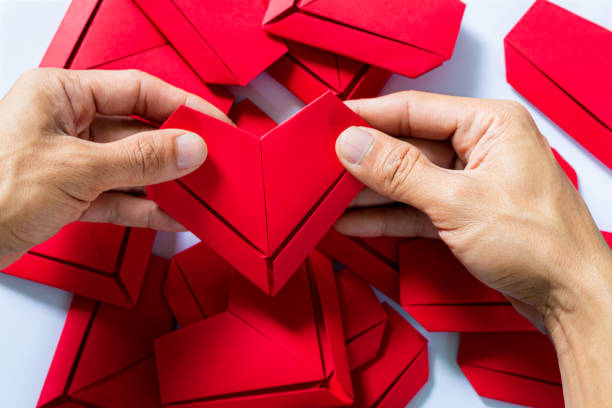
(561, 63)
(197, 285)
(105, 354)
(223, 42)
(373, 259)
(258, 201)
(520, 368)
(247, 116)
(409, 37)
(310, 72)
(115, 34)
(286, 350)
(100, 261)
(400, 370)
(443, 296)
(363, 318)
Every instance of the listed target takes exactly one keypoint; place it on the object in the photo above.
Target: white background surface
(32, 315)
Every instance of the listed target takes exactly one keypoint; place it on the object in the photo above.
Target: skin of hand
(480, 176)
(70, 149)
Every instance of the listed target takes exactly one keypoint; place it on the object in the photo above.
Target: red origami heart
(264, 202)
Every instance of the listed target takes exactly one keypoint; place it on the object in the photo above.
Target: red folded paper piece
(363, 318)
(373, 259)
(258, 201)
(520, 368)
(286, 350)
(561, 63)
(443, 296)
(400, 370)
(105, 354)
(100, 261)
(247, 116)
(310, 72)
(224, 43)
(197, 285)
(115, 34)
(567, 168)
(409, 37)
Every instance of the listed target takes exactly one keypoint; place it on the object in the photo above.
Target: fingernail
(355, 144)
(190, 150)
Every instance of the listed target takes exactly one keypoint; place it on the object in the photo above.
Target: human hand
(480, 176)
(69, 151)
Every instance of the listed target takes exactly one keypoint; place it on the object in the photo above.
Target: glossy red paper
(115, 34)
(520, 368)
(105, 354)
(561, 63)
(286, 350)
(258, 201)
(408, 37)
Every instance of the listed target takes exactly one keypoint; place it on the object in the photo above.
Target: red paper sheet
(310, 72)
(105, 354)
(520, 368)
(374, 259)
(363, 318)
(223, 42)
(286, 350)
(408, 37)
(115, 34)
(258, 201)
(398, 372)
(100, 261)
(561, 63)
(443, 296)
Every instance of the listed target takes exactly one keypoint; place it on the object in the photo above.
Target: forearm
(580, 327)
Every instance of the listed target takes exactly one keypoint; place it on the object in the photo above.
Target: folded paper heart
(223, 42)
(286, 350)
(100, 261)
(263, 203)
(409, 37)
(399, 371)
(199, 281)
(374, 259)
(115, 34)
(104, 357)
(310, 72)
(520, 368)
(442, 295)
(561, 63)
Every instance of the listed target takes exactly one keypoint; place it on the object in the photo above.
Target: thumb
(150, 157)
(393, 168)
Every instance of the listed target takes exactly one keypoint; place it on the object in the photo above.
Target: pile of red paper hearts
(265, 319)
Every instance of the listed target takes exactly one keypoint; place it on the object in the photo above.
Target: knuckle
(512, 110)
(396, 168)
(145, 155)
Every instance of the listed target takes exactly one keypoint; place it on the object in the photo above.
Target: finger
(416, 114)
(132, 92)
(105, 129)
(395, 221)
(124, 209)
(430, 116)
(368, 198)
(440, 153)
(394, 168)
(146, 158)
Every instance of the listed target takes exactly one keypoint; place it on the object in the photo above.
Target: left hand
(69, 151)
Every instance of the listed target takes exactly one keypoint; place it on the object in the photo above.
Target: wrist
(578, 318)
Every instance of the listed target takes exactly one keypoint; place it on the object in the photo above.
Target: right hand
(503, 205)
